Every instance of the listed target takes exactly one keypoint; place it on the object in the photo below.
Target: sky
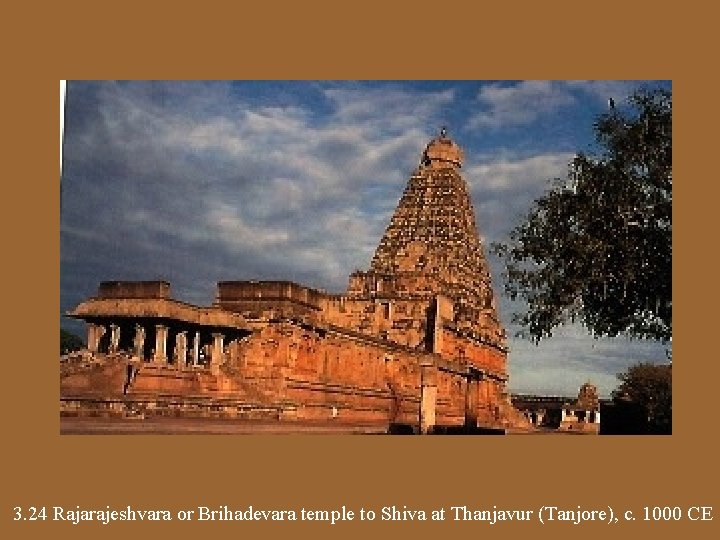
(203, 181)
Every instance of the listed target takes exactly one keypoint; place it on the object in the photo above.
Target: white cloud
(524, 173)
(238, 235)
(518, 104)
(604, 90)
(503, 189)
(387, 109)
(276, 119)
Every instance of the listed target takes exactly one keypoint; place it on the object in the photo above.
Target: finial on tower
(442, 152)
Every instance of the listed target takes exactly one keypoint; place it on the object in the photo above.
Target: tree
(647, 388)
(69, 342)
(597, 247)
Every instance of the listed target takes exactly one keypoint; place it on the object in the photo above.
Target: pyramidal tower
(432, 248)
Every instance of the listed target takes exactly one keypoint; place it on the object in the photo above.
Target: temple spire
(432, 246)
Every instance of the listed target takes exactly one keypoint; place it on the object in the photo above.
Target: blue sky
(197, 182)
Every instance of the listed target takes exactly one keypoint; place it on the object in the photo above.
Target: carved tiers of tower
(442, 152)
(432, 247)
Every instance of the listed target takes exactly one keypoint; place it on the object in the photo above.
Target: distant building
(580, 415)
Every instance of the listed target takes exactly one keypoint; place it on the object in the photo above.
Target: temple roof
(157, 308)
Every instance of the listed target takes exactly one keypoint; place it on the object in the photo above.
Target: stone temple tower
(432, 247)
(415, 341)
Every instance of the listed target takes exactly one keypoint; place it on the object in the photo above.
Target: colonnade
(589, 417)
(188, 348)
(535, 417)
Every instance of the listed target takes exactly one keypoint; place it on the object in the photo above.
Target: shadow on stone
(466, 430)
(401, 429)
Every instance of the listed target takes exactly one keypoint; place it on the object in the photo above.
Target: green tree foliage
(597, 247)
(69, 342)
(648, 387)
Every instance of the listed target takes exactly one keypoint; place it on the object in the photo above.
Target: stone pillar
(114, 338)
(563, 414)
(540, 417)
(94, 333)
(161, 333)
(597, 417)
(587, 417)
(196, 349)
(428, 398)
(217, 356)
(139, 341)
(181, 349)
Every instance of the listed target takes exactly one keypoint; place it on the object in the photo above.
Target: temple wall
(318, 374)
(330, 375)
(96, 380)
(450, 406)
(302, 354)
(480, 355)
(134, 289)
(406, 283)
(398, 320)
(264, 300)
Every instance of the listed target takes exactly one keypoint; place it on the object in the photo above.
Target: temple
(579, 415)
(415, 340)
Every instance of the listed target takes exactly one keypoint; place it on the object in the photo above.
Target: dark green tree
(69, 342)
(597, 247)
(648, 389)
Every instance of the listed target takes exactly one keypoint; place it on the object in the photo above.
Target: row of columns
(535, 418)
(569, 412)
(160, 356)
